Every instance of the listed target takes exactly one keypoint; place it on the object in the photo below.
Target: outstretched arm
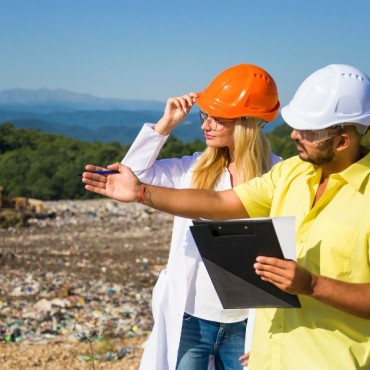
(294, 279)
(191, 203)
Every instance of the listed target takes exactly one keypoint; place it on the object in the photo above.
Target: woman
(192, 330)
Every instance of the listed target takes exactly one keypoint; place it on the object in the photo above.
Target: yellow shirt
(333, 239)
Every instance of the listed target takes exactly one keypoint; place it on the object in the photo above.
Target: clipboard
(229, 250)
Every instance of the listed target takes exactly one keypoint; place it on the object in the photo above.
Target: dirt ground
(93, 262)
(56, 355)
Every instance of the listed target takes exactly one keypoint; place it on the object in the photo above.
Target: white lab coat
(171, 290)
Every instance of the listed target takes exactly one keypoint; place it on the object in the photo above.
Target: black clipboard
(229, 250)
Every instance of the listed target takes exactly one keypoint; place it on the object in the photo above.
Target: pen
(104, 172)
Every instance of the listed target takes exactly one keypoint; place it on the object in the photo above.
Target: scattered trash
(84, 275)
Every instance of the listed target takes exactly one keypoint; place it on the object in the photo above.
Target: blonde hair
(251, 155)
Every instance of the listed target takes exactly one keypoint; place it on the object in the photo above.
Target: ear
(343, 141)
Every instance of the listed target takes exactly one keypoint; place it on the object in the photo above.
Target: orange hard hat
(243, 90)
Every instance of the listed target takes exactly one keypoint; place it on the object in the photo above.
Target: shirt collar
(358, 172)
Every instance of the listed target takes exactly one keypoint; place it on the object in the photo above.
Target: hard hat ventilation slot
(261, 76)
(352, 75)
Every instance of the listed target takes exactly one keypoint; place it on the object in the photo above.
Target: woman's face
(218, 132)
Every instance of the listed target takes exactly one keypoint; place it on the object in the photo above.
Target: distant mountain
(48, 100)
(85, 117)
(103, 126)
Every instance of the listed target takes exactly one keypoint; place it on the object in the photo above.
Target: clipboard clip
(231, 228)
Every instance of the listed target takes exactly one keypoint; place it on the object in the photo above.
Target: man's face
(319, 153)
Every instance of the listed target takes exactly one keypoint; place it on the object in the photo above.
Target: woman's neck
(234, 178)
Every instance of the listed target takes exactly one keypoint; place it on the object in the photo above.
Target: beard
(324, 155)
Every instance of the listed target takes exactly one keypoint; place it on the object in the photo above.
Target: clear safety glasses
(216, 124)
(316, 137)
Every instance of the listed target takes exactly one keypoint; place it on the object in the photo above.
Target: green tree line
(46, 166)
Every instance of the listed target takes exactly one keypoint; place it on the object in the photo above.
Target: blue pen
(104, 172)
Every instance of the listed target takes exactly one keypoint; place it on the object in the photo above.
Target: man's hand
(123, 186)
(287, 275)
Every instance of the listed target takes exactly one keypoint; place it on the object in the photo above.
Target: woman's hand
(245, 359)
(176, 110)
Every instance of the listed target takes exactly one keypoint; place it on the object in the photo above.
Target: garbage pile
(86, 274)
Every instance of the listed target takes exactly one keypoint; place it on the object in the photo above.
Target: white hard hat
(336, 94)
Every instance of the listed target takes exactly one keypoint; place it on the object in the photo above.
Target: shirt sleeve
(257, 194)
(145, 149)
(142, 159)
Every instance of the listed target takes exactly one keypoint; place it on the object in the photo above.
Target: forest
(47, 166)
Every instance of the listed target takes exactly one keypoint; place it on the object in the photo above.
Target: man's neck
(340, 163)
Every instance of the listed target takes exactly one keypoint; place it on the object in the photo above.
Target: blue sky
(142, 49)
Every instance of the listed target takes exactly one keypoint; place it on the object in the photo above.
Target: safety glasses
(216, 124)
(318, 136)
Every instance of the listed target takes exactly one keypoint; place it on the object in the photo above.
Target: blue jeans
(202, 338)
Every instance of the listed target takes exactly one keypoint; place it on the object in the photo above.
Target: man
(327, 188)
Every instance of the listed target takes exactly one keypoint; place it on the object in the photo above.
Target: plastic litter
(54, 284)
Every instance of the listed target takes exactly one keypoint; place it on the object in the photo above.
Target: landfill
(75, 287)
